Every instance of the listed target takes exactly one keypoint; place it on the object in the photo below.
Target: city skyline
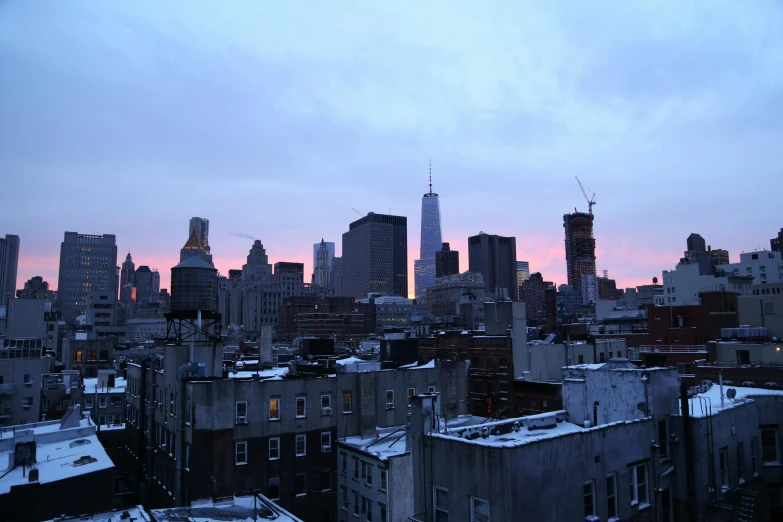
(248, 125)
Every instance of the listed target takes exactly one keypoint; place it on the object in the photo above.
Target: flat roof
(60, 453)
(234, 509)
(134, 514)
(704, 404)
(91, 384)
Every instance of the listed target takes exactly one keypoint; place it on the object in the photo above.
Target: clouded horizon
(275, 121)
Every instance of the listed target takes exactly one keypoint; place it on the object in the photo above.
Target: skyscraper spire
(430, 175)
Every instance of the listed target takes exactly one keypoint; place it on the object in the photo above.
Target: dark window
(301, 484)
(326, 480)
(769, 444)
(274, 488)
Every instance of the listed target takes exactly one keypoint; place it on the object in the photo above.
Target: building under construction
(579, 247)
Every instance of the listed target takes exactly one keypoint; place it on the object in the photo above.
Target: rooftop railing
(673, 348)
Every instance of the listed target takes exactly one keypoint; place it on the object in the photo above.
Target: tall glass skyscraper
(431, 242)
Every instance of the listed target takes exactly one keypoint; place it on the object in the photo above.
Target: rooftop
(708, 402)
(133, 514)
(63, 449)
(90, 386)
(245, 509)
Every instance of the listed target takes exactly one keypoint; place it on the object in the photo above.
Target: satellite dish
(731, 393)
(23, 454)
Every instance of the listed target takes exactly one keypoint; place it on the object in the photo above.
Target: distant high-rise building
(336, 277)
(424, 268)
(147, 285)
(495, 257)
(534, 296)
(9, 261)
(446, 261)
(289, 278)
(35, 288)
(202, 230)
(523, 272)
(718, 256)
(323, 253)
(589, 288)
(194, 247)
(88, 263)
(696, 243)
(579, 247)
(375, 256)
(257, 268)
(128, 271)
(776, 243)
(606, 288)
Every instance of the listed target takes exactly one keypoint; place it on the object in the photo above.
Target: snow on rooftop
(389, 442)
(708, 402)
(237, 509)
(60, 453)
(135, 514)
(271, 374)
(430, 364)
(91, 384)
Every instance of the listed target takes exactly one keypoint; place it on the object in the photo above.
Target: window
(241, 412)
(274, 448)
(88, 403)
(753, 452)
(676, 338)
(301, 407)
(740, 459)
(301, 445)
(367, 509)
(301, 484)
(769, 444)
(479, 510)
(684, 369)
(367, 474)
(441, 503)
(389, 399)
(274, 409)
(326, 441)
(355, 469)
(240, 453)
(663, 438)
(326, 400)
(347, 405)
(273, 491)
(29, 378)
(27, 402)
(102, 402)
(589, 495)
(326, 480)
(384, 517)
(411, 393)
(384, 475)
(430, 389)
(611, 495)
(724, 468)
(638, 484)
(356, 505)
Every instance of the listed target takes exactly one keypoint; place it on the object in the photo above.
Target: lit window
(274, 448)
(274, 409)
(240, 453)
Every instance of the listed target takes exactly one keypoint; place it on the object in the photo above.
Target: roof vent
(79, 442)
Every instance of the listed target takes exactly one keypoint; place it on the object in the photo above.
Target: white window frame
(635, 485)
(480, 518)
(303, 399)
(368, 474)
(276, 441)
(240, 448)
(384, 480)
(240, 418)
(276, 410)
(303, 440)
(328, 402)
(611, 496)
(389, 403)
(435, 508)
(326, 448)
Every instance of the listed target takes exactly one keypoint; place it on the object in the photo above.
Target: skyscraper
(375, 256)
(523, 273)
(323, 253)
(9, 261)
(579, 247)
(446, 261)
(696, 243)
(194, 247)
(88, 263)
(202, 230)
(127, 272)
(431, 241)
(495, 257)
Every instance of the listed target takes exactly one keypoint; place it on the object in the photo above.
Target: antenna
(590, 201)
(430, 175)
(360, 214)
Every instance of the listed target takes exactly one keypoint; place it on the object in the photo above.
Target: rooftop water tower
(194, 302)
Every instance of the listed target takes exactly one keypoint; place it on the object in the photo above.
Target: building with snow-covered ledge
(52, 468)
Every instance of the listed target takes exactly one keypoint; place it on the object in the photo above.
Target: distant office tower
(606, 288)
(446, 261)
(523, 272)
(127, 272)
(579, 247)
(589, 289)
(9, 260)
(88, 263)
(696, 243)
(495, 257)
(194, 247)
(375, 256)
(431, 241)
(257, 268)
(202, 230)
(289, 278)
(35, 288)
(336, 277)
(718, 256)
(145, 288)
(323, 253)
(534, 296)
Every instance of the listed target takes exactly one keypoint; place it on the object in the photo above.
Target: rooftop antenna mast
(430, 175)
(590, 201)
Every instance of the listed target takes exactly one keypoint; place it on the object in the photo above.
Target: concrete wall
(758, 352)
(762, 310)
(400, 495)
(26, 318)
(547, 360)
(12, 406)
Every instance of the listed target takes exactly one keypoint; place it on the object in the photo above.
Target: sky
(276, 120)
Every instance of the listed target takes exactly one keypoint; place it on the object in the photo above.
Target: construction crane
(360, 214)
(590, 201)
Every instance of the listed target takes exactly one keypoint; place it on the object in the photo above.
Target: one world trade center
(431, 242)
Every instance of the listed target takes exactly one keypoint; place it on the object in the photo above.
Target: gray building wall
(26, 318)
(9, 260)
(20, 398)
(763, 307)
